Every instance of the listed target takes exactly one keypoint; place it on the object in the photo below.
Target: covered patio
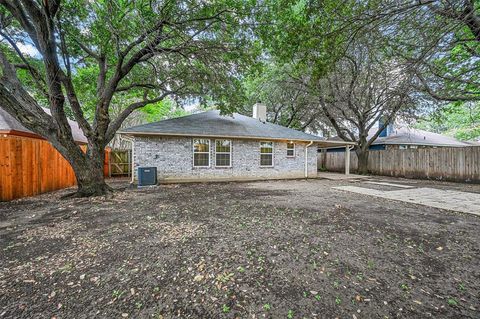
(324, 145)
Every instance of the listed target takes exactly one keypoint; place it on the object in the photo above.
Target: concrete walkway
(339, 176)
(445, 199)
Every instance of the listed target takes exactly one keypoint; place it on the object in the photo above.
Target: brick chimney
(260, 112)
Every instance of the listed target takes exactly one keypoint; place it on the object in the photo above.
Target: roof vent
(260, 112)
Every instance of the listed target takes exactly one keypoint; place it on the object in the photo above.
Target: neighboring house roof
(212, 124)
(473, 143)
(411, 136)
(9, 124)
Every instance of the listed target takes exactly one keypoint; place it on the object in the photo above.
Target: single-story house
(209, 146)
(405, 137)
(29, 164)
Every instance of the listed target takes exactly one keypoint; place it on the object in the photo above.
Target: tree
(440, 39)
(361, 90)
(343, 66)
(162, 110)
(95, 55)
(287, 104)
(458, 119)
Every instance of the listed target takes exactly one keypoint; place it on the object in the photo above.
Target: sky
(28, 49)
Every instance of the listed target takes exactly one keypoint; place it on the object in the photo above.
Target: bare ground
(282, 249)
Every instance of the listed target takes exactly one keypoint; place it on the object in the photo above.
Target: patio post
(347, 160)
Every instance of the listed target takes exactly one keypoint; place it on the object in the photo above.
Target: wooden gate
(120, 163)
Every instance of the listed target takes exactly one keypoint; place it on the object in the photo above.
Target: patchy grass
(293, 249)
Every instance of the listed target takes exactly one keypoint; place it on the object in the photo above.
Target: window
(266, 154)
(223, 153)
(291, 149)
(201, 153)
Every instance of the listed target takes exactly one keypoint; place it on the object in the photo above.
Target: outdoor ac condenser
(147, 176)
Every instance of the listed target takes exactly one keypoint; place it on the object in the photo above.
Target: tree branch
(115, 125)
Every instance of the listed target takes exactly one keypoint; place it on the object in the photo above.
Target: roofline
(421, 144)
(21, 133)
(31, 135)
(234, 136)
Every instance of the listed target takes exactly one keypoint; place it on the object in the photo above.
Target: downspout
(306, 158)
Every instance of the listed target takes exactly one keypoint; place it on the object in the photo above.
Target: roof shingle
(9, 123)
(212, 124)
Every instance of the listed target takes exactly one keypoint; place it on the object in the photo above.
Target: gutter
(257, 138)
(306, 158)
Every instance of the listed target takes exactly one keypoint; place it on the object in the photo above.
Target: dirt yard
(282, 249)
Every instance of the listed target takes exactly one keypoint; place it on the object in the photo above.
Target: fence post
(347, 160)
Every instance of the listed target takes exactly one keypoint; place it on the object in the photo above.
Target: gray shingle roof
(411, 136)
(212, 124)
(8, 123)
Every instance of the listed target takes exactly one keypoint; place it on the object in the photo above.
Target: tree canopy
(93, 55)
(319, 65)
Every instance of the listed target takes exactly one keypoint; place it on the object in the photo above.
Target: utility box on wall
(147, 176)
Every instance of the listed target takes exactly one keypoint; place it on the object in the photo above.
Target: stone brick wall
(173, 157)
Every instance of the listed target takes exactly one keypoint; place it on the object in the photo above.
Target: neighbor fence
(31, 166)
(443, 163)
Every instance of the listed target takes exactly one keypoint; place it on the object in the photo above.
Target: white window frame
(273, 151)
(230, 153)
(294, 149)
(193, 152)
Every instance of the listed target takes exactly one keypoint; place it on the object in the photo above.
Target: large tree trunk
(89, 172)
(362, 156)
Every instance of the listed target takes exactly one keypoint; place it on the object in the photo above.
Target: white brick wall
(173, 158)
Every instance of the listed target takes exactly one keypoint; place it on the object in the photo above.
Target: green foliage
(460, 120)
(225, 309)
(307, 32)
(204, 51)
(286, 103)
(162, 110)
(452, 302)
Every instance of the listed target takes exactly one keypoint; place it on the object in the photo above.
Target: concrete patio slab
(445, 199)
(339, 176)
(390, 184)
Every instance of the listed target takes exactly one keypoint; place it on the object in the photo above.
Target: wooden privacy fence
(444, 163)
(31, 166)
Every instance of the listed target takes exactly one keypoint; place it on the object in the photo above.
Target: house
(9, 126)
(209, 146)
(29, 164)
(405, 137)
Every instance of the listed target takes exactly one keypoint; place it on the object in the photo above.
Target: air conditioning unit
(147, 176)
